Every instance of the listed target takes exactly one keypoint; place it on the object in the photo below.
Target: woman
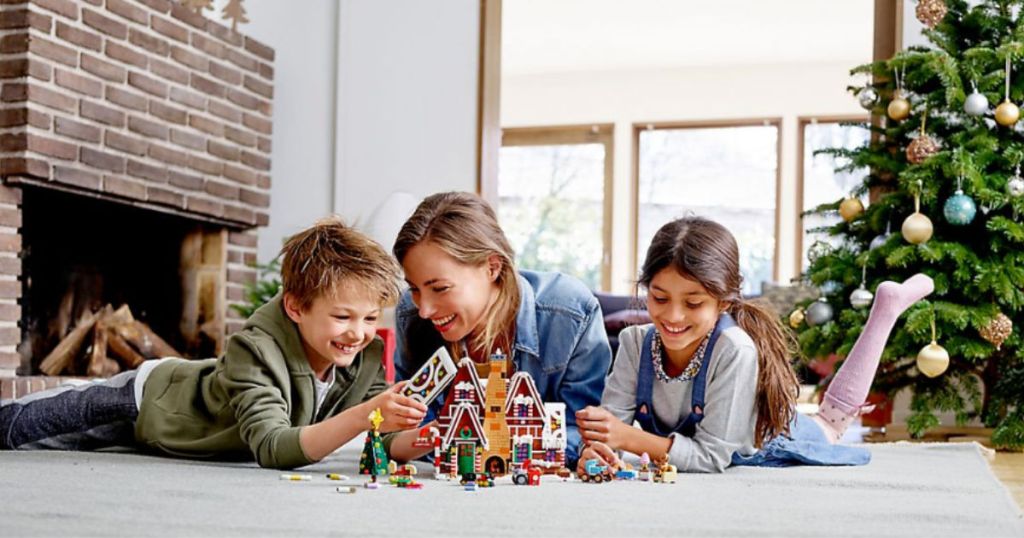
(465, 293)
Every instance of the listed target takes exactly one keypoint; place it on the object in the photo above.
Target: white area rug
(907, 490)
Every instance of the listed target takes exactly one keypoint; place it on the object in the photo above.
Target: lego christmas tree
(374, 460)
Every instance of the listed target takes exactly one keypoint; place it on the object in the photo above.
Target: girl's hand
(600, 452)
(399, 412)
(597, 424)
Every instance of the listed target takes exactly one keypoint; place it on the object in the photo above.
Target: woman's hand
(598, 424)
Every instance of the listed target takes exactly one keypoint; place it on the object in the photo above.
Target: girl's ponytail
(777, 385)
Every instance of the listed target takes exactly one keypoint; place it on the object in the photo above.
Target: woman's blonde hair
(465, 227)
(705, 251)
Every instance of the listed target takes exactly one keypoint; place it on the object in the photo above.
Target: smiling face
(454, 296)
(683, 312)
(336, 328)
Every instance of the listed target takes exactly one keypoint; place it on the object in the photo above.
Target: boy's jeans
(93, 415)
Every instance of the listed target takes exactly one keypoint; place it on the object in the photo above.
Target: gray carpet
(908, 490)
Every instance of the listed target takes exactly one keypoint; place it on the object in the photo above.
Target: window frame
(774, 121)
(801, 124)
(595, 133)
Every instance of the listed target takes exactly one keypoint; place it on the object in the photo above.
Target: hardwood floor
(1009, 468)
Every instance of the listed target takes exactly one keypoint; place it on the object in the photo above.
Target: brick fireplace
(119, 117)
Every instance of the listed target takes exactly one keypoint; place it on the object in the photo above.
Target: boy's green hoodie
(254, 399)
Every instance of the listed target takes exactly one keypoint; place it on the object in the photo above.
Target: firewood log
(64, 354)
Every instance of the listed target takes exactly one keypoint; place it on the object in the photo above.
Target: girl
(465, 292)
(710, 381)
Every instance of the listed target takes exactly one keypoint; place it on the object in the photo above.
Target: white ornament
(976, 104)
(861, 297)
(1015, 187)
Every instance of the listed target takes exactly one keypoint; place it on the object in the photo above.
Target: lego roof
(465, 415)
(465, 373)
(522, 385)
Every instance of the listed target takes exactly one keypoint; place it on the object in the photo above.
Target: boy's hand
(602, 453)
(598, 424)
(399, 412)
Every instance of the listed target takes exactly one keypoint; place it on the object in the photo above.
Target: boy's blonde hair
(329, 255)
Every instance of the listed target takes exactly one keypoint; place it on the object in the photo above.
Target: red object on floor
(388, 335)
(881, 416)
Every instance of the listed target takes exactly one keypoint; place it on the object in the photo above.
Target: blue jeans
(86, 417)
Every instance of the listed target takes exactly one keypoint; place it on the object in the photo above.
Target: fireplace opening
(99, 274)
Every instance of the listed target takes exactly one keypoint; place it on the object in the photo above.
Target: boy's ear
(494, 265)
(292, 308)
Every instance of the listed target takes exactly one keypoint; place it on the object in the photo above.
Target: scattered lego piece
(626, 474)
(336, 476)
(525, 474)
(665, 472)
(297, 477)
(345, 489)
(595, 472)
(371, 485)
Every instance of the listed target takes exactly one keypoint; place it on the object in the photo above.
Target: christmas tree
(374, 461)
(943, 167)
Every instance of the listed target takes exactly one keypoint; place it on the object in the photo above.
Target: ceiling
(550, 36)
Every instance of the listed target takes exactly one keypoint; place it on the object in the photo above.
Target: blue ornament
(959, 209)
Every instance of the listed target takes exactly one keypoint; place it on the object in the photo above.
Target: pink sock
(849, 388)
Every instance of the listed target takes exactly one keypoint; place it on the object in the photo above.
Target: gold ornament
(796, 317)
(921, 148)
(932, 360)
(1007, 114)
(850, 209)
(917, 228)
(930, 12)
(899, 108)
(997, 330)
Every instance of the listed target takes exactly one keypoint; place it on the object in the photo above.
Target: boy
(298, 382)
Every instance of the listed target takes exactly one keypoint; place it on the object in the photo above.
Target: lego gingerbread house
(494, 429)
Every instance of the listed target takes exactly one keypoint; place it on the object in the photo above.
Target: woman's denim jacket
(560, 341)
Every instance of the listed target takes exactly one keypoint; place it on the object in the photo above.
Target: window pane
(551, 205)
(726, 174)
(822, 184)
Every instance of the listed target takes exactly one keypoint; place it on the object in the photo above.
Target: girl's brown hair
(705, 251)
(465, 227)
(329, 255)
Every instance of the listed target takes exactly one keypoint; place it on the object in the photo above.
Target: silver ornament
(878, 241)
(861, 297)
(819, 313)
(829, 287)
(976, 104)
(1015, 187)
(867, 98)
(817, 250)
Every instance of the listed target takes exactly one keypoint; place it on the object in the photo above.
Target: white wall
(370, 97)
(302, 160)
(697, 93)
(407, 109)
